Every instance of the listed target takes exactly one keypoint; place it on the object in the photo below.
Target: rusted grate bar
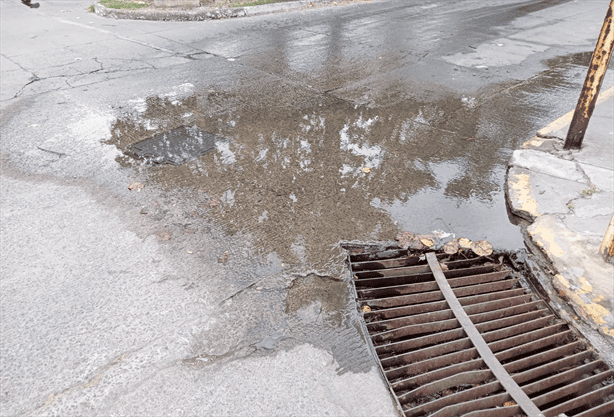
(438, 295)
(606, 409)
(487, 356)
(390, 254)
(415, 270)
(405, 278)
(481, 312)
(522, 349)
(577, 387)
(562, 377)
(511, 315)
(476, 377)
(497, 412)
(458, 333)
(465, 407)
(404, 260)
(410, 310)
(432, 285)
(432, 365)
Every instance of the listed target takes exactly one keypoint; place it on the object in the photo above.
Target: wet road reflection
(330, 133)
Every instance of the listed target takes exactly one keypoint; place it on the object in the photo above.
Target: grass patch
(90, 9)
(119, 4)
(256, 3)
(589, 192)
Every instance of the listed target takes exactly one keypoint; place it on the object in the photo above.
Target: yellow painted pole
(607, 247)
(592, 83)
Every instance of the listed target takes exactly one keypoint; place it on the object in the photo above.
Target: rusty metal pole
(592, 83)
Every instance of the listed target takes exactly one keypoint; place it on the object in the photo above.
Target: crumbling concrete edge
(205, 13)
(538, 269)
(522, 201)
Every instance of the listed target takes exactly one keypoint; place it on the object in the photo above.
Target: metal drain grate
(528, 362)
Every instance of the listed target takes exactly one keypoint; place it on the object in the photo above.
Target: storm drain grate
(461, 336)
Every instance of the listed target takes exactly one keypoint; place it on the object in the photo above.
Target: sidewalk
(568, 199)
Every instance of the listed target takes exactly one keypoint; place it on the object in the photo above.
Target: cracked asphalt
(220, 288)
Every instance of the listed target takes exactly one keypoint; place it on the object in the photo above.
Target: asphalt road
(220, 287)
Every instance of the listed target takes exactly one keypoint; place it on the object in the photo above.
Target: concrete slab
(543, 144)
(533, 194)
(601, 177)
(520, 194)
(554, 194)
(585, 184)
(581, 279)
(594, 227)
(597, 146)
(545, 163)
(597, 204)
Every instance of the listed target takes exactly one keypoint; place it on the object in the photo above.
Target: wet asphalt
(364, 121)
(306, 130)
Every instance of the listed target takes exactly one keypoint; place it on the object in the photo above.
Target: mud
(325, 297)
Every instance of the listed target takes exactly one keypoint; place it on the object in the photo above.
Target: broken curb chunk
(481, 248)
(136, 186)
(451, 247)
(427, 242)
(464, 243)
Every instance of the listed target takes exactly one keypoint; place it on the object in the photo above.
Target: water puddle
(300, 172)
(314, 298)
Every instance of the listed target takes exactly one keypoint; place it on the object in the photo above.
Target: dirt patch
(331, 294)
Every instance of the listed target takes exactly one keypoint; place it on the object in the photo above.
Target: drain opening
(174, 147)
(433, 367)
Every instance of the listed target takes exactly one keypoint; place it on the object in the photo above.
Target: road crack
(60, 154)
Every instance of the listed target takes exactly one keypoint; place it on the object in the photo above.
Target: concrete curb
(205, 13)
(567, 199)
